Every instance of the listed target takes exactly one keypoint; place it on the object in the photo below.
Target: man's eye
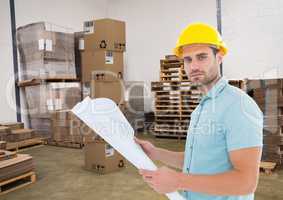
(202, 57)
(188, 60)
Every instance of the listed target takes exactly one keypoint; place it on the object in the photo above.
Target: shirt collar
(215, 90)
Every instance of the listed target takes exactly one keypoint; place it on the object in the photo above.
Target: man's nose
(194, 65)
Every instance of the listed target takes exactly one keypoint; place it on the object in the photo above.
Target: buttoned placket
(192, 142)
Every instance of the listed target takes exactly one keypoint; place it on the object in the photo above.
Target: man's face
(200, 63)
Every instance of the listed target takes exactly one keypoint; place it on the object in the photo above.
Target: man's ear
(219, 58)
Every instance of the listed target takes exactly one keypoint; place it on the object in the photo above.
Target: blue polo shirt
(226, 119)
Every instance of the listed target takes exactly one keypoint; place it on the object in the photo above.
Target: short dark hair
(214, 50)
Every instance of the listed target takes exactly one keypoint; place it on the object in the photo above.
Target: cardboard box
(45, 98)
(13, 125)
(264, 83)
(44, 53)
(108, 34)
(20, 135)
(3, 145)
(108, 89)
(102, 65)
(41, 125)
(101, 158)
(39, 41)
(67, 127)
(4, 132)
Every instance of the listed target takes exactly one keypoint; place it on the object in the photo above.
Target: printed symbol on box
(109, 150)
(121, 164)
(109, 59)
(103, 44)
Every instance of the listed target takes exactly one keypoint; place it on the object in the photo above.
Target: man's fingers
(146, 173)
(140, 142)
(137, 140)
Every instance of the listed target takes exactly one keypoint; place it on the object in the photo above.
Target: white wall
(253, 31)
(6, 64)
(152, 29)
(66, 13)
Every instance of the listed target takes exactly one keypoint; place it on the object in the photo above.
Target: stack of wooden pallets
(175, 99)
(268, 94)
(238, 83)
(16, 171)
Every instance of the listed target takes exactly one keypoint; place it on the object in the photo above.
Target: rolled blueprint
(105, 118)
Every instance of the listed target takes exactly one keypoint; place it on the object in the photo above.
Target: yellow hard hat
(199, 33)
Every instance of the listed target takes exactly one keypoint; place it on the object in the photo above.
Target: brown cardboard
(264, 83)
(61, 133)
(20, 135)
(3, 145)
(107, 34)
(13, 125)
(108, 89)
(45, 54)
(67, 127)
(4, 132)
(102, 64)
(102, 158)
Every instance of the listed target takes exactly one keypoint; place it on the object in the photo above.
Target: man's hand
(163, 180)
(148, 148)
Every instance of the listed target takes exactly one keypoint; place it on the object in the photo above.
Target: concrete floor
(60, 176)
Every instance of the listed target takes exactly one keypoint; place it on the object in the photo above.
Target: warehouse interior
(56, 54)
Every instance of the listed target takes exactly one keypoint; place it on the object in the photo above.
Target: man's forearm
(171, 158)
(229, 183)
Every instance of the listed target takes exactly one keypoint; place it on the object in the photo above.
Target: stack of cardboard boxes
(13, 135)
(47, 61)
(102, 70)
(68, 129)
(16, 171)
(102, 63)
(268, 94)
(102, 158)
(45, 53)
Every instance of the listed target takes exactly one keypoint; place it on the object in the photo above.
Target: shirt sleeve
(244, 124)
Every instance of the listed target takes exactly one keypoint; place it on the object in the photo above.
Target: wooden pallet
(174, 79)
(175, 117)
(174, 65)
(25, 144)
(17, 182)
(170, 120)
(175, 107)
(170, 83)
(171, 62)
(166, 130)
(170, 128)
(179, 92)
(267, 167)
(176, 102)
(67, 144)
(170, 135)
(237, 83)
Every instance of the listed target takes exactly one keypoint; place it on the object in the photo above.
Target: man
(224, 140)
